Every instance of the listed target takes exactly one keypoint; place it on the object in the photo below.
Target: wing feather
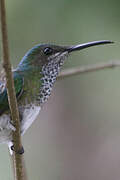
(18, 82)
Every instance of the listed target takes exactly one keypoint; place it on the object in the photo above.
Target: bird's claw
(20, 151)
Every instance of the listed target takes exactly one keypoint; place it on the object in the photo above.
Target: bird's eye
(48, 51)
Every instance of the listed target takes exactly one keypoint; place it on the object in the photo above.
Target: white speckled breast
(50, 72)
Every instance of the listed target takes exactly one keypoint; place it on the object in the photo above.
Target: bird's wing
(18, 83)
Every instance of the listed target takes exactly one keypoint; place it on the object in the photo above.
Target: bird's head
(42, 64)
(47, 54)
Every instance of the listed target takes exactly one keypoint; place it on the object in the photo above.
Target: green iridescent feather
(26, 80)
(18, 82)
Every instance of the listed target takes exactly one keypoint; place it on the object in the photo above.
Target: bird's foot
(20, 151)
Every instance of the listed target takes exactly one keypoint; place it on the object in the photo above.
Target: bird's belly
(5, 136)
(5, 129)
(29, 114)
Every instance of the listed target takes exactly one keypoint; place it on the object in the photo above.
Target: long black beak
(86, 45)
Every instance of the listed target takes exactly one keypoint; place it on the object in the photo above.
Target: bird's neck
(40, 78)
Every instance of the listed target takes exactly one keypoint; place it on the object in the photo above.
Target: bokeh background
(77, 135)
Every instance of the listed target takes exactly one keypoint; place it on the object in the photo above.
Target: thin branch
(17, 159)
(88, 68)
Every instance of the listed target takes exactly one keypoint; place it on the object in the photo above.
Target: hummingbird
(34, 78)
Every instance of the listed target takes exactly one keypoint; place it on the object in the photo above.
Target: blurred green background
(77, 135)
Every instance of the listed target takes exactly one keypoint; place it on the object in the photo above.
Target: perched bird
(34, 78)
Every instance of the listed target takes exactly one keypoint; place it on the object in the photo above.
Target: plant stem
(17, 158)
(89, 68)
